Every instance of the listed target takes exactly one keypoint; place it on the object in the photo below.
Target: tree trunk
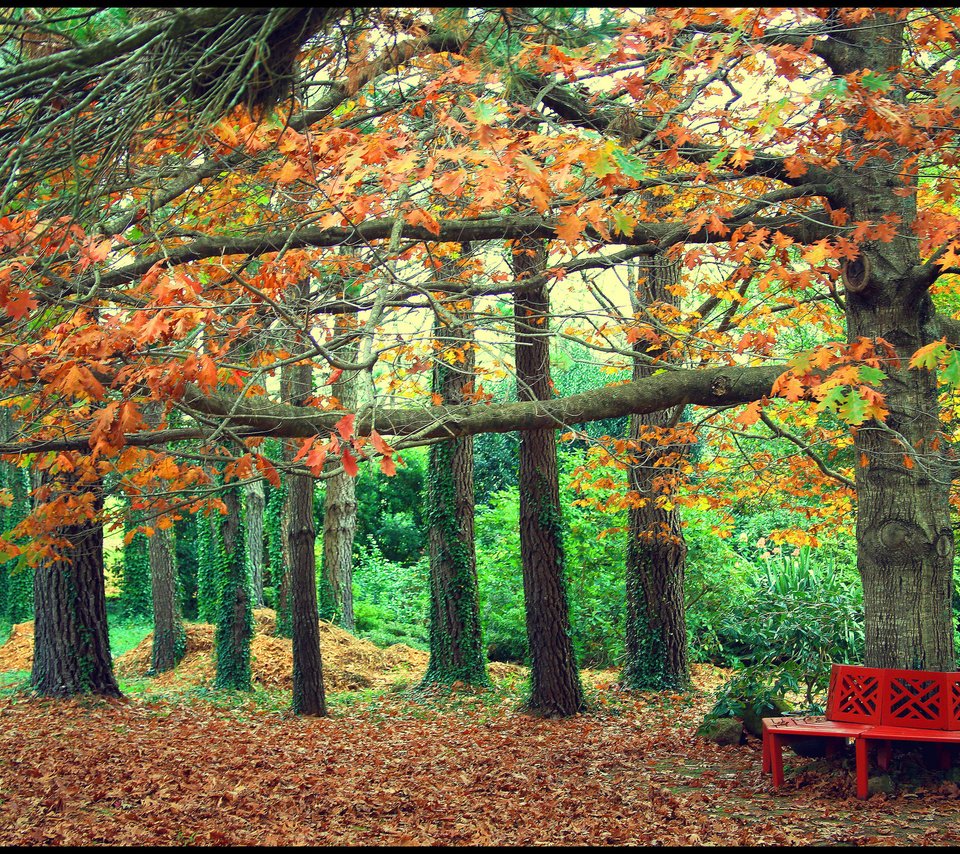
(20, 580)
(169, 636)
(71, 645)
(905, 545)
(340, 501)
(456, 640)
(555, 680)
(308, 694)
(235, 617)
(656, 630)
(254, 527)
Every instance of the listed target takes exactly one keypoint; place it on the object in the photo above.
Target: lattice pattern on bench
(916, 698)
(854, 694)
(953, 692)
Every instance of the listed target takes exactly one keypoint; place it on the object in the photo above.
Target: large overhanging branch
(654, 237)
(258, 417)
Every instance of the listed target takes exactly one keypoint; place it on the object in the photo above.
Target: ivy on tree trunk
(456, 640)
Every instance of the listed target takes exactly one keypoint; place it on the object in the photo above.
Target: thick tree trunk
(71, 645)
(456, 640)
(905, 544)
(656, 631)
(235, 616)
(254, 527)
(169, 636)
(555, 679)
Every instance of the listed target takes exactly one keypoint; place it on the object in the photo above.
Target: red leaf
(345, 426)
(350, 462)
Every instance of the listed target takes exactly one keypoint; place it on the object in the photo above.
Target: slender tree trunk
(169, 635)
(254, 527)
(456, 640)
(71, 645)
(340, 501)
(656, 631)
(555, 688)
(308, 693)
(235, 617)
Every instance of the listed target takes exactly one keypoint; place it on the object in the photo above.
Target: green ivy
(136, 596)
(235, 613)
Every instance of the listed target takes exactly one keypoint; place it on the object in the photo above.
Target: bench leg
(776, 760)
(884, 752)
(943, 753)
(831, 748)
(863, 768)
(765, 751)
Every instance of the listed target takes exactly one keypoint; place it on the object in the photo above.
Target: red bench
(874, 705)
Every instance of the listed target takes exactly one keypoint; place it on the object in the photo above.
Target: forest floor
(176, 762)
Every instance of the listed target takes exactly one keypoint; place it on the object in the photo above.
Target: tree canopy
(193, 197)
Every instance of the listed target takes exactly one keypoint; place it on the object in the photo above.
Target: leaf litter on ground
(417, 768)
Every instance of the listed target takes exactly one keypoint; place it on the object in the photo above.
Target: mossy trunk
(235, 616)
(456, 640)
(19, 578)
(656, 631)
(555, 679)
(71, 645)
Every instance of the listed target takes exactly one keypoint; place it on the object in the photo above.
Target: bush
(801, 617)
(391, 600)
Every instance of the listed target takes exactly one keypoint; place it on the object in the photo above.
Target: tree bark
(340, 500)
(308, 693)
(169, 636)
(71, 645)
(656, 630)
(235, 615)
(555, 680)
(905, 545)
(456, 639)
(255, 506)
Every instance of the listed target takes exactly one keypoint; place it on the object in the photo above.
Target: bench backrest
(924, 699)
(855, 694)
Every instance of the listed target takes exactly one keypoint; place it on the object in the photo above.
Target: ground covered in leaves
(179, 763)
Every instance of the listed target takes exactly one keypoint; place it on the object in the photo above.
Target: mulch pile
(349, 663)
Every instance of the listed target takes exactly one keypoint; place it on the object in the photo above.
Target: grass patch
(126, 634)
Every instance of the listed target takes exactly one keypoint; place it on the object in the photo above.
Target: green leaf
(870, 375)
(837, 87)
(632, 167)
(951, 371)
(854, 409)
(875, 82)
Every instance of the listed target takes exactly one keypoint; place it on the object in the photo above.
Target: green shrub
(802, 616)
(391, 600)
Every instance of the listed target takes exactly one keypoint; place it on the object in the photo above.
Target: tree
(805, 161)
(71, 648)
(235, 610)
(456, 641)
(555, 681)
(340, 500)
(656, 629)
